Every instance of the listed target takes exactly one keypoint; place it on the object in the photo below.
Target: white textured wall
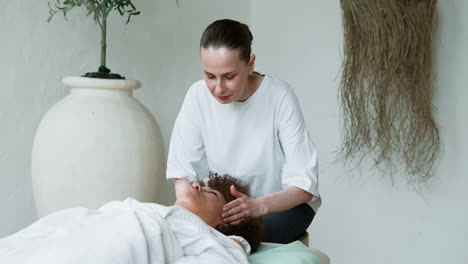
(364, 219)
(159, 47)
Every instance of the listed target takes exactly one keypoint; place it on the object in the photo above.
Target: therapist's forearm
(283, 200)
(180, 186)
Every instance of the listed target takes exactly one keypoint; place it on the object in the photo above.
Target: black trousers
(287, 226)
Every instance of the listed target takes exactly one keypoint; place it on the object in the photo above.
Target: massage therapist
(249, 125)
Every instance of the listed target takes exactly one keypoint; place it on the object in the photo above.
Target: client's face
(205, 202)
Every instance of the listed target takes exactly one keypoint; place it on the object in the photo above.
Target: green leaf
(120, 10)
(90, 11)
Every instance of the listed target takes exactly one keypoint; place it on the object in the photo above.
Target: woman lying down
(191, 231)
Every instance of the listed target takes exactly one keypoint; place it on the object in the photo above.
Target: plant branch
(100, 9)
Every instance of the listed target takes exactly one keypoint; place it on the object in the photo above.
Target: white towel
(120, 232)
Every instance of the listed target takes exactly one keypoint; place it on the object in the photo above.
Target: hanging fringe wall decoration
(386, 86)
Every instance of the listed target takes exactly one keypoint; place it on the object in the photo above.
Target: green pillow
(292, 253)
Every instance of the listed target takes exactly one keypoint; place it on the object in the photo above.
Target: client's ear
(223, 228)
(228, 229)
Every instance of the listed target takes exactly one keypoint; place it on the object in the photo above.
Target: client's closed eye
(211, 191)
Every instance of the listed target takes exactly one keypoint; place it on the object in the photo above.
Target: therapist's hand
(244, 206)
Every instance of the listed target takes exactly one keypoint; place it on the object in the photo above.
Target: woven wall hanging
(386, 86)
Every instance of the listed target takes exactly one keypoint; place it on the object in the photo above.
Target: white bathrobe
(120, 232)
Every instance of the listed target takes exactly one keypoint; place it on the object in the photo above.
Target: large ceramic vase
(96, 145)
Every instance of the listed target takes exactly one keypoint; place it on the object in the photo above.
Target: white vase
(96, 145)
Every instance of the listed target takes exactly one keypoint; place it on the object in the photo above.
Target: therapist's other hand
(244, 206)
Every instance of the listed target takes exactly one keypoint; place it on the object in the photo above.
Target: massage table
(297, 252)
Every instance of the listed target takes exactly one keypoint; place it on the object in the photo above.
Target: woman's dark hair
(231, 34)
(251, 228)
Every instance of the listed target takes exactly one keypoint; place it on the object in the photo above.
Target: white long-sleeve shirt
(264, 141)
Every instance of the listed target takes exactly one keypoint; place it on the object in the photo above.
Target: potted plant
(98, 143)
(100, 10)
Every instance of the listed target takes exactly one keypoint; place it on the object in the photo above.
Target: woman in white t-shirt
(249, 125)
